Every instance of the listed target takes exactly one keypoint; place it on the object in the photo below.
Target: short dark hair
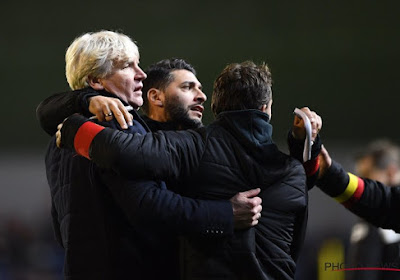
(159, 75)
(242, 86)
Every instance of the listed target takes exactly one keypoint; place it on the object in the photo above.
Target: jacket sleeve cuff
(334, 181)
(296, 147)
(345, 188)
(220, 220)
(78, 133)
(316, 147)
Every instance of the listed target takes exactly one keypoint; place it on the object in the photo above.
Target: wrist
(334, 181)
(69, 129)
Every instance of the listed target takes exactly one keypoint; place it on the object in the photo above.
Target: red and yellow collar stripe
(353, 191)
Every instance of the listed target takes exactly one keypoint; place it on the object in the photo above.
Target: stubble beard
(180, 116)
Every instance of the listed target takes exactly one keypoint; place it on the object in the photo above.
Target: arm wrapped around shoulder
(78, 133)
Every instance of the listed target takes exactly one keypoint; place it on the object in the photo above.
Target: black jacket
(114, 228)
(371, 200)
(233, 154)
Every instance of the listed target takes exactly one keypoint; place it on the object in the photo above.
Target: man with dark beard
(174, 96)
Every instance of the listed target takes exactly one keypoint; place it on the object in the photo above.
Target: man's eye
(127, 65)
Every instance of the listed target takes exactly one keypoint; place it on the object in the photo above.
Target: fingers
(315, 120)
(316, 125)
(254, 202)
(325, 156)
(256, 211)
(107, 108)
(117, 110)
(325, 161)
(249, 197)
(256, 217)
(251, 193)
(246, 208)
(58, 139)
(324, 151)
(58, 135)
(126, 116)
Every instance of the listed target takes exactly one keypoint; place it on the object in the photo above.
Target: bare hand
(105, 108)
(246, 208)
(325, 161)
(298, 130)
(58, 135)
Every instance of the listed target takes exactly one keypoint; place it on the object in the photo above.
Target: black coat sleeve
(56, 225)
(379, 205)
(54, 109)
(150, 204)
(163, 155)
(369, 199)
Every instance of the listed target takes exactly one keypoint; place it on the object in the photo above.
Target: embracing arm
(161, 155)
(150, 204)
(53, 110)
(369, 199)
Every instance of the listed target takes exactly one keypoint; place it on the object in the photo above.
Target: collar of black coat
(251, 126)
(89, 92)
(156, 125)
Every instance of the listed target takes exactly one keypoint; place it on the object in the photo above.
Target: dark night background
(340, 58)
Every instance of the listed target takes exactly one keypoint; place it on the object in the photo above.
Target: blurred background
(340, 58)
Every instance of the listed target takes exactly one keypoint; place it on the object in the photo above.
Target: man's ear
(264, 108)
(95, 83)
(156, 97)
(267, 108)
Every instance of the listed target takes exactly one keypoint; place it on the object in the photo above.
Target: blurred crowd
(29, 252)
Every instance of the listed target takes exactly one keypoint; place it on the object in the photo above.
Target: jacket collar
(156, 125)
(249, 126)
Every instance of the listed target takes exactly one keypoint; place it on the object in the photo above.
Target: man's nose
(201, 96)
(140, 74)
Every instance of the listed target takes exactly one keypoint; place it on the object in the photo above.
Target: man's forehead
(133, 58)
(183, 75)
(128, 58)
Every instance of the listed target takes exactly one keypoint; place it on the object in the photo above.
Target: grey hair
(95, 55)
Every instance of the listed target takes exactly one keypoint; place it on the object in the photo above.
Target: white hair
(95, 55)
